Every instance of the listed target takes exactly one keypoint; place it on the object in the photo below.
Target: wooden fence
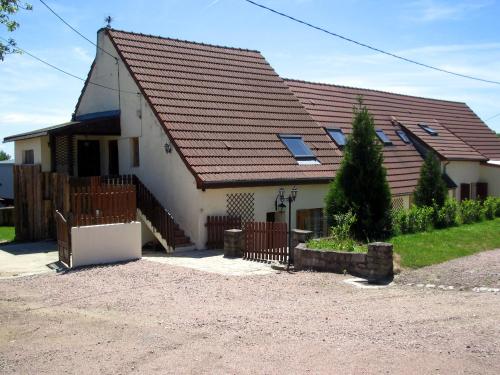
(216, 225)
(266, 241)
(63, 228)
(159, 217)
(37, 195)
(95, 204)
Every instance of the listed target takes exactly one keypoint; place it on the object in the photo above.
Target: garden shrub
(448, 215)
(431, 189)
(470, 211)
(416, 219)
(340, 232)
(490, 207)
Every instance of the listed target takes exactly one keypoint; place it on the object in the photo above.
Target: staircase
(159, 221)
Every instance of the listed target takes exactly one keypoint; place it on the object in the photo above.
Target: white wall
(164, 174)
(41, 151)
(463, 172)
(214, 203)
(98, 244)
(491, 175)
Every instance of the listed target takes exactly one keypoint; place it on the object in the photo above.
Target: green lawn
(7, 234)
(423, 249)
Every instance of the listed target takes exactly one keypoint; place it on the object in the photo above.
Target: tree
(361, 184)
(7, 9)
(431, 188)
(4, 155)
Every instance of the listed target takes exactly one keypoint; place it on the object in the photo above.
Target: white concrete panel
(98, 244)
(491, 175)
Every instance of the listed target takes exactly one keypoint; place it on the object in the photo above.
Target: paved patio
(211, 261)
(27, 258)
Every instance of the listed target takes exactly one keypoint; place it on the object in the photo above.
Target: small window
(28, 157)
(383, 137)
(297, 147)
(428, 129)
(134, 144)
(337, 135)
(403, 136)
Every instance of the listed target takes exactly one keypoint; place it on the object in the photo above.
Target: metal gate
(63, 229)
(266, 241)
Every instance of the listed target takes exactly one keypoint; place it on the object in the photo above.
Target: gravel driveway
(481, 270)
(146, 317)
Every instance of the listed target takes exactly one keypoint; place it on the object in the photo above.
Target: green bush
(416, 219)
(448, 215)
(471, 211)
(490, 207)
(341, 231)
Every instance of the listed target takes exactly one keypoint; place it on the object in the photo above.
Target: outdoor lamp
(281, 195)
(168, 148)
(293, 193)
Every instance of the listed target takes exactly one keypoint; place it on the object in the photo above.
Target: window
(313, 220)
(134, 145)
(383, 137)
(403, 136)
(428, 129)
(337, 136)
(28, 157)
(297, 147)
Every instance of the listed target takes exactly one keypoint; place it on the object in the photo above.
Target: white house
(215, 131)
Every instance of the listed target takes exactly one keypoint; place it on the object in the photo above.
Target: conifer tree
(431, 188)
(360, 184)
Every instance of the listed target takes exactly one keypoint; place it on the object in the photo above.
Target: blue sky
(460, 35)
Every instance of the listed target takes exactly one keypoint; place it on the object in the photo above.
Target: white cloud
(82, 54)
(437, 10)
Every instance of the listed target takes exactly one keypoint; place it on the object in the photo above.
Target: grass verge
(427, 248)
(7, 234)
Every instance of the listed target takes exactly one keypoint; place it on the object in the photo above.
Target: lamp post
(291, 198)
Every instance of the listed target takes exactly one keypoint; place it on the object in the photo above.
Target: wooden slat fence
(216, 225)
(159, 217)
(37, 195)
(63, 228)
(266, 241)
(103, 204)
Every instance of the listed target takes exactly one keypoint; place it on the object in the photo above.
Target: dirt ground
(146, 317)
(481, 270)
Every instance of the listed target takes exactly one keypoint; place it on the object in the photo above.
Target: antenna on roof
(108, 20)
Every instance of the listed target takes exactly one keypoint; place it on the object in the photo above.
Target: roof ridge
(372, 90)
(182, 40)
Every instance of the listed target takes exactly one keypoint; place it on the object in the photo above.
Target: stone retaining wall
(375, 265)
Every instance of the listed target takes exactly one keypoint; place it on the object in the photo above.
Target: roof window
(295, 144)
(383, 137)
(429, 130)
(403, 136)
(337, 135)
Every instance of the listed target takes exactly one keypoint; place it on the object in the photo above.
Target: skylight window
(428, 129)
(295, 144)
(403, 136)
(383, 137)
(337, 135)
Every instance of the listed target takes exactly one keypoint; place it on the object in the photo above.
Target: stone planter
(375, 265)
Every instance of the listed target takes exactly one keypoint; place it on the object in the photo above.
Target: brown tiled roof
(446, 144)
(223, 109)
(332, 106)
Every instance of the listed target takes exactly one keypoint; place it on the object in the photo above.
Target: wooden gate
(63, 228)
(216, 225)
(266, 241)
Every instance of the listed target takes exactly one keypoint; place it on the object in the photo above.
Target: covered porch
(86, 146)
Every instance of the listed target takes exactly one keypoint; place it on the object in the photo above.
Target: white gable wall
(166, 175)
